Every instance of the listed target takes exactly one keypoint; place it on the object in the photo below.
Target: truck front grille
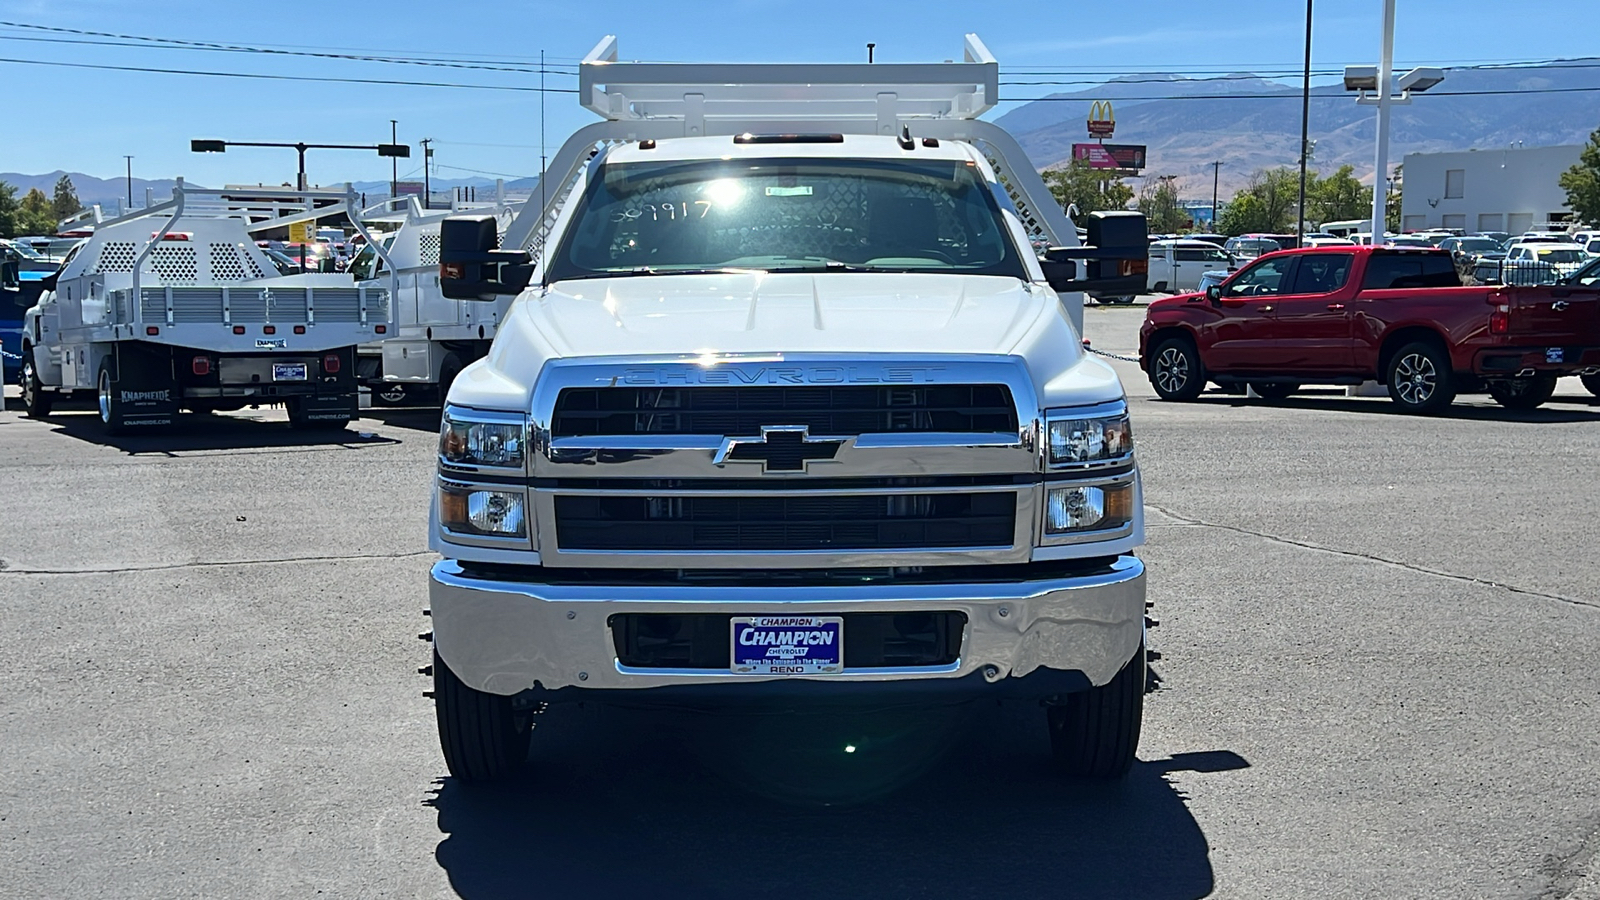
(871, 640)
(785, 523)
(836, 411)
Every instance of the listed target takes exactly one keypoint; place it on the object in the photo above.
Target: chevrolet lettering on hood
(732, 375)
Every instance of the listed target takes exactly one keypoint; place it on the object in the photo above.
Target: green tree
(1582, 182)
(1076, 184)
(1338, 197)
(65, 201)
(8, 210)
(34, 215)
(1158, 200)
(1266, 204)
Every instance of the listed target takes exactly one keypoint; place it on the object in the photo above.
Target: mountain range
(1484, 108)
(112, 193)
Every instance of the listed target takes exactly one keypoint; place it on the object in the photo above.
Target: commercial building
(1510, 189)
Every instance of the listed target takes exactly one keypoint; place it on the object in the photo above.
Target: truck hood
(757, 313)
(838, 315)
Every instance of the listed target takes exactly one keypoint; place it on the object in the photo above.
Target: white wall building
(1509, 190)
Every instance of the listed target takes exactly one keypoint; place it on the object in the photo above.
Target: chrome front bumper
(506, 637)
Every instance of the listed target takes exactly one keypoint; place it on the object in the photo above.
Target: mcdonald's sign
(1102, 120)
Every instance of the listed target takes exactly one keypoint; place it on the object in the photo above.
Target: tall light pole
(427, 157)
(1376, 79)
(130, 181)
(394, 164)
(1305, 126)
(1216, 173)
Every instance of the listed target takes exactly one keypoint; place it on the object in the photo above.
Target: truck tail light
(1500, 320)
(269, 329)
(201, 365)
(330, 364)
(1127, 267)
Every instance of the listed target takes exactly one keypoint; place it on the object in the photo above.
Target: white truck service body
(788, 408)
(176, 307)
(434, 337)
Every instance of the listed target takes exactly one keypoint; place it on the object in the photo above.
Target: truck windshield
(786, 215)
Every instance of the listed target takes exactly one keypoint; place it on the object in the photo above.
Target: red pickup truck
(1343, 315)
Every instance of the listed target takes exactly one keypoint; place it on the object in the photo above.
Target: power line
(1289, 94)
(266, 77)
(111, 39)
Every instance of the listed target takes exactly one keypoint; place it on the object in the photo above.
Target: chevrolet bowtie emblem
(780, 448)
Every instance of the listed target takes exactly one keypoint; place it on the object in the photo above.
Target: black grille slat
(785, 523)
(742, 411)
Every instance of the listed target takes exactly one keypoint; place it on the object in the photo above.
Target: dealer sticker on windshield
(788, 645)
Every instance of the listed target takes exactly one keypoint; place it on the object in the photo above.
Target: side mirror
(9, 279)
(1116, 255)
(470, 268)
(1214, 293)
(49, 281)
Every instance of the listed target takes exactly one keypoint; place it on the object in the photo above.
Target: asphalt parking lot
(1378, 643)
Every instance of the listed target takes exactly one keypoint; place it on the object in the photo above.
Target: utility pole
(130, 181)
(1305, 126)
(427, 190)
(394, 164)
(1380, 199)
(1216, 172)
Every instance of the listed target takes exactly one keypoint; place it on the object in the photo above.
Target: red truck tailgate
(1557, 315)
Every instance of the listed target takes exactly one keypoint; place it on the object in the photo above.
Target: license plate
(1555, 355)
(288, 371)
(788, 645)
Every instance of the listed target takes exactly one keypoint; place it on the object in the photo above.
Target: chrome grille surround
(685, 458)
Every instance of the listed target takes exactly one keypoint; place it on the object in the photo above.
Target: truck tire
(1592, 383)
(449, 368)
(1419, 378)
(1274, 390)
(1095, 733)
(36, 402)
(1523, 393)
(106, 401)
(1176, 371)
(482, 737)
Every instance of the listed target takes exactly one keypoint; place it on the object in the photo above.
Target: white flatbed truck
(175, 307)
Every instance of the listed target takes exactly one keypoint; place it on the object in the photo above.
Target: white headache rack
(640, 100)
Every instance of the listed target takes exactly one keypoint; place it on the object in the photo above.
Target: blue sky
(86, 119)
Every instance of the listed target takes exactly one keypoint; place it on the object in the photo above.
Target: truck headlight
(1098, 508)
(1092, 438)
(473, 442)
(467, 510)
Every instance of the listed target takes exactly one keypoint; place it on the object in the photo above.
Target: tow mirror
(471, 268)
(49, 281)
(1115, 254)
(9, 279)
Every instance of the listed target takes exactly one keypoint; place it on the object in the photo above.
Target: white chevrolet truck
(787, 409)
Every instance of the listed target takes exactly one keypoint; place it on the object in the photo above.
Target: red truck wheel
(1419, 378)
(1176, 371)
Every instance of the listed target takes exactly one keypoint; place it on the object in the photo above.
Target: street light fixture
(1373, 84)
(398, 151)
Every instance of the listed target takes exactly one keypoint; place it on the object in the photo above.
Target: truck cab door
(1312, 324)
(1242, 337)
